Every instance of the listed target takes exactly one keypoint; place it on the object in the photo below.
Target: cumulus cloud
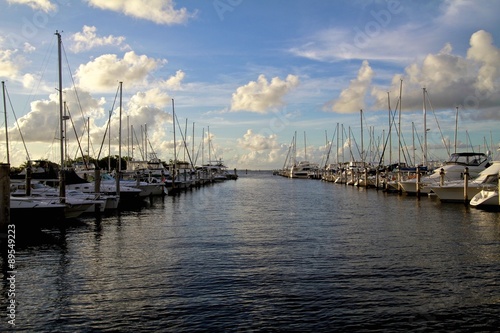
(9, 66)
(45, 114)
(88, 39)
(104, 72)
(174, 82)
(352, 99)
(43, 5)
(261, 95)
(255, 141)
(158, 11)
(452, 80)
(487, 55)
(153, 97)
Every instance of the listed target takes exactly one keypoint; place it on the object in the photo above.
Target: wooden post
(366, 177)
(28, 182)
(400, 190)
(419, 177)
(97, 186)
(117, 183)
(4, 196)
(466, 184)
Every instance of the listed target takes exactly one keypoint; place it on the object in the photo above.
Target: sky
(249, 79)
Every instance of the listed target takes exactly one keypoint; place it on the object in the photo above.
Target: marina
(148, 182)
(265, 253)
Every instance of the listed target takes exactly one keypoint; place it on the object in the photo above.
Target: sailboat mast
(390, 128)
(425, 129)
(362, 146)
(305, 147)
(175, 142)
(456, 129)
(120, 132)
(399, 124)
(6, 127)
(62, 187)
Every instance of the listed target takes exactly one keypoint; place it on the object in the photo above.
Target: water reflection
(267, 253)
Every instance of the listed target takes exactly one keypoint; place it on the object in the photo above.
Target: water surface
(265, 253)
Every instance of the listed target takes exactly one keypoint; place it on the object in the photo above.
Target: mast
(362, 148)
(337, 145)
(62, 187)
(88, 141)
(202, 146)
(6, 127)
(390, 128)
(305, 147)
(425, 129)
(132, 141)
(128, 138)
(413, 141)
(120, 133)
(456, 129)
(192, 148)
(208, 141)
(175, 144)
(399, 125)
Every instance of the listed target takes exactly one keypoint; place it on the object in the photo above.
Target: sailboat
(23, 209)
(453, 169)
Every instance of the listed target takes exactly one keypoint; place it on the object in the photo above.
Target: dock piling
(4, 197)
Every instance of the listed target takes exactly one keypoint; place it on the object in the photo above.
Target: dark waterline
(265, 253)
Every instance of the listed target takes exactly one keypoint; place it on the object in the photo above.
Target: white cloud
(487, 55)
(174, 82)
(352, 99)
(104, 72)
(28, 48)
(399, 34)
(451, 80)
(88, 39)
(43, 5)
(45, 114)
(153, 97)
(158, 11)
(255, 141)
(9, 66)
(259, 96)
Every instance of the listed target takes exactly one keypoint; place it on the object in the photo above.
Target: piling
(377, 180)
(466, 184)
(400, 190)
(366, 177)
(417, 184)
(27, 188)
(4, 197)
(117, 183)
(97, 186)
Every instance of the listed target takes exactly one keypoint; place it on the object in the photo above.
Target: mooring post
(28, 182)
(4, 197)
(466, 184)
(97, 186)
(419, 177)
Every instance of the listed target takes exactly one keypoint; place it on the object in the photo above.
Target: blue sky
(255, 73)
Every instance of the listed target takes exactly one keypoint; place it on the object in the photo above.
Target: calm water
(265, 253)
